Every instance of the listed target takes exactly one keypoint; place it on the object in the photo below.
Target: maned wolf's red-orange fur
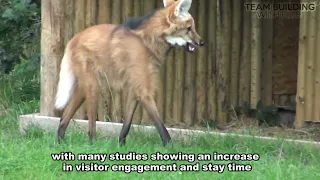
(126, 57)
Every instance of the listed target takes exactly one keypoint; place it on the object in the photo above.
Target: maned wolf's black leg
(131, 106)
(76, 101)
(150, 105)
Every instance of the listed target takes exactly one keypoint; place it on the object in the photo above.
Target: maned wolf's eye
(189, 28)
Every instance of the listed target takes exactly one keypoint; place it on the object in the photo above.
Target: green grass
(29, 156)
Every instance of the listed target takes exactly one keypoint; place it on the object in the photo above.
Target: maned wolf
(129, 56)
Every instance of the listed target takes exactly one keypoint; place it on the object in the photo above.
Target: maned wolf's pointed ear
(183, 7)
(167, 2)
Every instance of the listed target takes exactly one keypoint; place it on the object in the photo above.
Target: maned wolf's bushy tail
(66, 82)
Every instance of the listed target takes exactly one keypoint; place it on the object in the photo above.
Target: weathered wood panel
(195, 87)
(52, 48)
(256, 57)
(307, 98)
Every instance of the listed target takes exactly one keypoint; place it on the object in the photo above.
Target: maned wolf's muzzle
(190, 47)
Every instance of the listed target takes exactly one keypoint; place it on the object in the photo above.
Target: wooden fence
(308, 91)
(197, 87)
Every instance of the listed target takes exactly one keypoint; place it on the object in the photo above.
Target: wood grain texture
(245, 59)
(223, 59)
(256, 59)
(201, 65)
(211, 71)
(52, 48)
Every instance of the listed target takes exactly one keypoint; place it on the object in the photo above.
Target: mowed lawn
(29, 157)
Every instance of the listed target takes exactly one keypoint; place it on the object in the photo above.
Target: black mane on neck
(134, 23)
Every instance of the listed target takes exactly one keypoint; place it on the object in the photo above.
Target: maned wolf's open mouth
(190, 47)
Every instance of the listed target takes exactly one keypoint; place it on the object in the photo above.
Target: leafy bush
(19, 33)
(22, 84)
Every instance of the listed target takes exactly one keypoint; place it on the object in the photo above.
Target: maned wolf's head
(182, 30)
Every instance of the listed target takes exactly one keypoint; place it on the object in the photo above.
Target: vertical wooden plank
(178, 85)
(52, 49)
(169, 87)
(127, 9)
(317, 71)
(189, 95)
(235, 56)
(68, 21)
(267, 46)
(201, 64)
(91, 11)
(211, 72)
(116, 102)
(300, 98)
(245, 63)
(80, 24)
(80, 8)
(137, 13)
(104, 11)
(223, 65)
(256, 55)
(309, 103)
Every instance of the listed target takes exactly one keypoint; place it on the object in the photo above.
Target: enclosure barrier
(234, 67)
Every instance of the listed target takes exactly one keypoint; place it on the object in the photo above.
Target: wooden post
(300, 98)
(201, 65)
(310, 69)
(211, 72)
(91, 13)
(104, 11)
(237, 7)
(178, 85)
(68, 21)
(189, 84)
(52, 48)
(267, 46)
(256, 59)
(317, 71)
(245, 63)
(223, 59)
(169, 87)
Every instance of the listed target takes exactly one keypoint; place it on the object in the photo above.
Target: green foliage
(22, 84)
(19, 33)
